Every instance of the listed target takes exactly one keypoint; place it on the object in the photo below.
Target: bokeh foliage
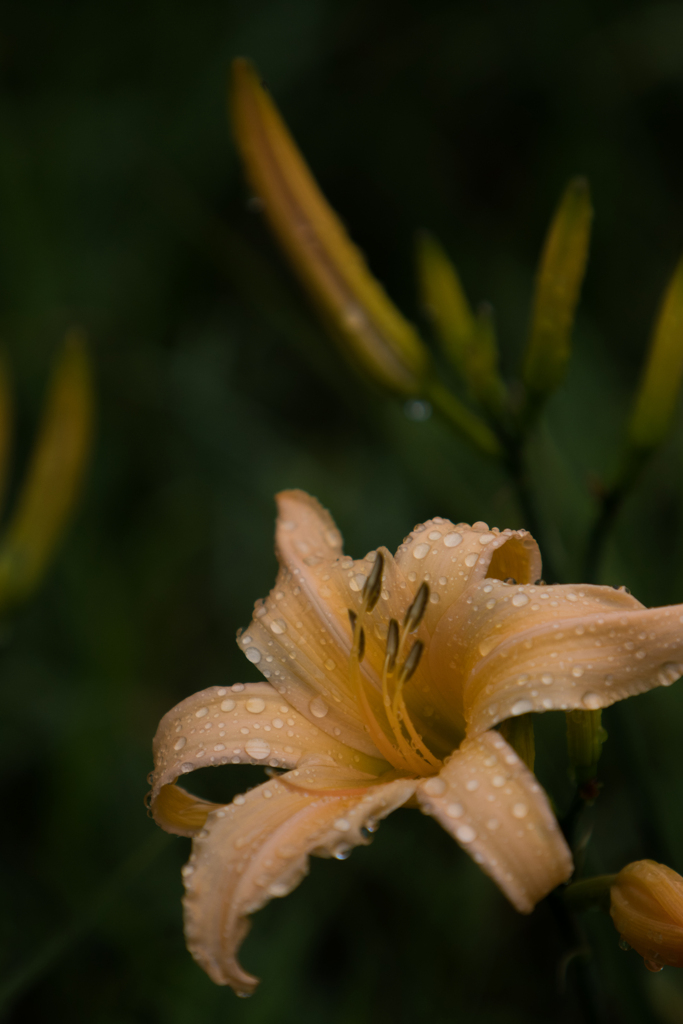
(123, 210)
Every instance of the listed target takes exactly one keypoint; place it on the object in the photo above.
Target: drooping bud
(467, 340)
(658, 393)
(647, 909)
(49, 491)
(333, 271)
(558, 283)
(585, 739)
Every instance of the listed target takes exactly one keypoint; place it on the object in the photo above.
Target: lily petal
(492, 805)
(179, 812)
(243, 724)
(299, 636)
(453, 558)
(583, 647)
(257, 848)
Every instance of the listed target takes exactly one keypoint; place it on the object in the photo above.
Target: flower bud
(647, 910)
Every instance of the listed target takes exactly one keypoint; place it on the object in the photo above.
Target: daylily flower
(646, 904)
(386, 678)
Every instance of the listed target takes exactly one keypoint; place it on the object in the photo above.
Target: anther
(414, 615)
(412, 661)
(373, 584)
(511, 580)
(392, 646)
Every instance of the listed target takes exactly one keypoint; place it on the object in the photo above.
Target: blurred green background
(123, 209)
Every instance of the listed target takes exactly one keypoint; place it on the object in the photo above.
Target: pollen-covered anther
(415, 612)
(412, 661)
(373, 584)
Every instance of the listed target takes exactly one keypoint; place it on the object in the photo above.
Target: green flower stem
(60, 944)
(610, 503)
(589, 893)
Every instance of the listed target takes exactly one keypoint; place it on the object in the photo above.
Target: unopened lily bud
(469, 341)
(647, 910)
(333, 271)
(53, 478)
(658, 393)
(558, 283)
(585, 739)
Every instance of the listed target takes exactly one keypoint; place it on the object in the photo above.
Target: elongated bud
(48, 494)
(647, 910)
(415, 612)
(373, 584)
(469, 341)
(519, 732)
(585, 738)
(658, 393)
(352, 302)
(5, 426)
(558, 283)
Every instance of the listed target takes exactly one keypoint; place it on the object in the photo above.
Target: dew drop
(519, 810)
(546, 679)
(472, 785)
(278, 626)
(519, 600)
(465, 834)
(471, 560)
(180, 743)
(318, 707)
(435, 786)
(521, 707)
(330, 665)
(256, 705)
(421, 551)
(342, 825)
(455, 811)
(498, 781)
(253, 654)
(492, 824)
(591, 700)
(577, 671)
(451, 540)
(258, 749)
(201, 713)
(227, 705)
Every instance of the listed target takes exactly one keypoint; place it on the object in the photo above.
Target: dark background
(122, 209)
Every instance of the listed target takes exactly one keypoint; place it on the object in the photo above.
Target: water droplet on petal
(435, 786)
(256, 705)
(180, 743)
(258, 749)
(342, 825)
(577, 671)
(278, 626)
(421, 551)
(465, 834)
(521, 707)
(591, 700)
(253, 654)
(227, 705)
(201, 713)
(330, 665)
(455, 811)
(451, 540)
(318, 707)
(519, 600)
(520, 810)
(546, 679)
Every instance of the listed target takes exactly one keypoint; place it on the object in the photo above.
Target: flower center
(389, 722)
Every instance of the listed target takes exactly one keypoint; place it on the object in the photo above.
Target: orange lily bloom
(646, 904)
(386, 678)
